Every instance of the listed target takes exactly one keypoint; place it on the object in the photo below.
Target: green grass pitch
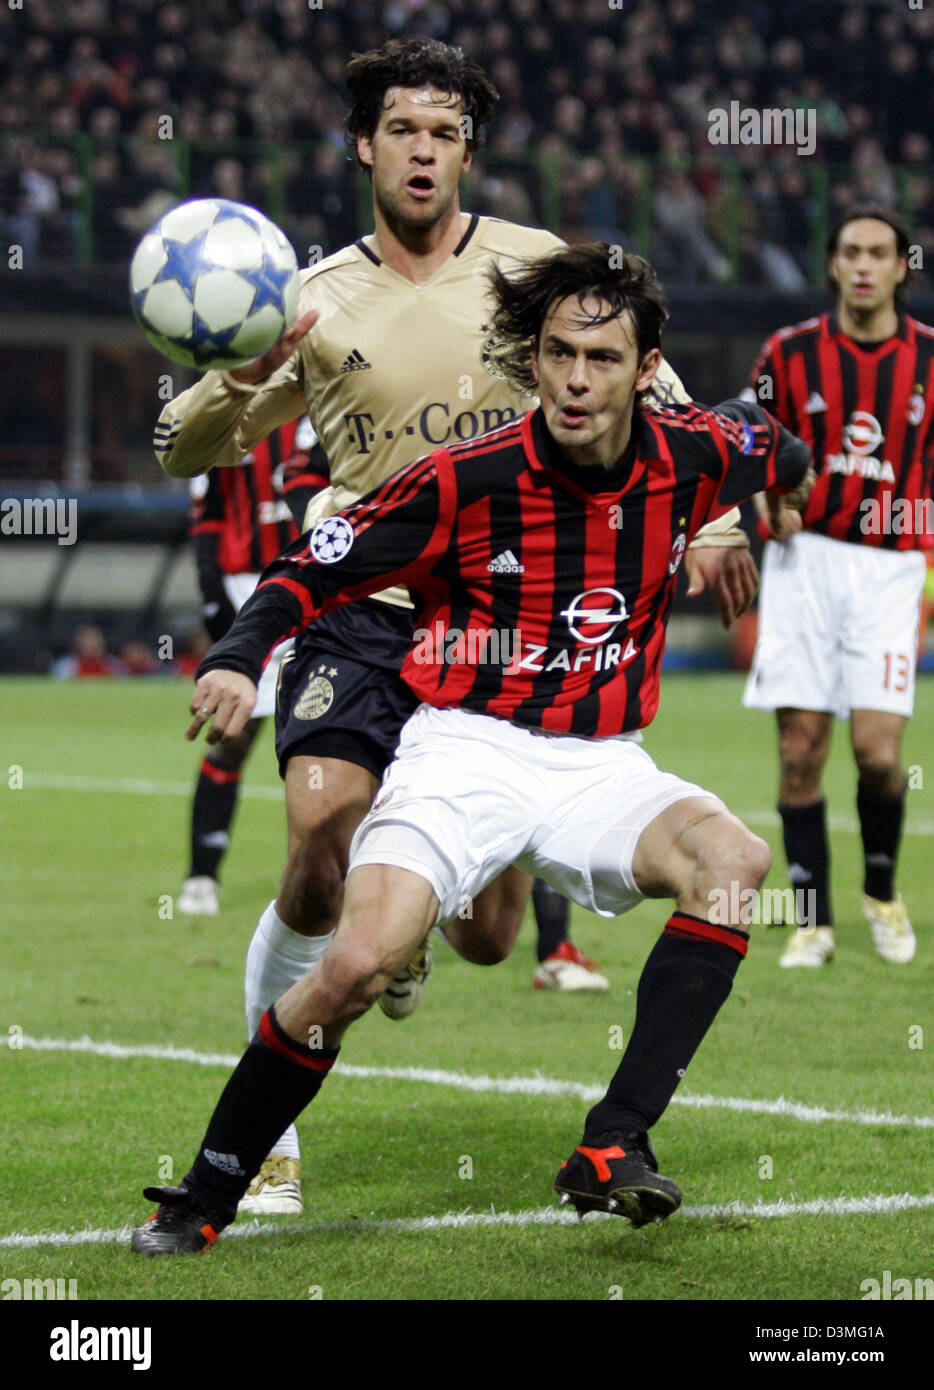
(89, 950)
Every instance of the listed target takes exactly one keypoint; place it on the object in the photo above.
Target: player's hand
(272, 360)
(782, 512)
(782, 521)
(729, 572)
(226, 696)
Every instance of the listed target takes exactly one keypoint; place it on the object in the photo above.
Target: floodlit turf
(88, 949)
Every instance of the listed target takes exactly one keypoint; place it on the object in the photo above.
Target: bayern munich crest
(331, 539)
(316, 699)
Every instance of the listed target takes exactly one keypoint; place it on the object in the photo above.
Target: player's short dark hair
(879, 212)
(416, 63)
(592, 270)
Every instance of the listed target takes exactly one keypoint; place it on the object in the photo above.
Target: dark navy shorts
(340, 694)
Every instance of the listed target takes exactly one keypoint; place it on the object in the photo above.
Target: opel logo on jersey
(331, 539)
(595, 615)
(862, 433)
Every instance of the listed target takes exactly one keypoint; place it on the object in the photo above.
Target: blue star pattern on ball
(186, 260)
(269, 282)
(206, 343)
(331, 540)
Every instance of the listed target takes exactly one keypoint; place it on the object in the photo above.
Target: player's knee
(879, 768)
(489, 951)
(478, 942)
(757, 858)
(802, 757)
(489, 936)
(351, 979)
(733, 854)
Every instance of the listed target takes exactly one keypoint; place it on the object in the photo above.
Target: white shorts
(239, 588)
(468, 795)
(838, 627)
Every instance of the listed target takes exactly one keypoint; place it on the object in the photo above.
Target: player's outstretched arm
(222, 417)
(393, 535)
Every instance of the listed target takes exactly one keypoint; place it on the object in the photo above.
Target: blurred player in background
(241, 518)
(838, 616)
(538, 760)
(395, 363)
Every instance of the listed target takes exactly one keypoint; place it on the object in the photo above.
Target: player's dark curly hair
(592, 270)
(416, 63)
(880, 213)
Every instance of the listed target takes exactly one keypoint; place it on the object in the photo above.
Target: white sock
(277, 958)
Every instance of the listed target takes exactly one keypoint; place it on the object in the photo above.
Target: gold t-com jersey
(390, 371)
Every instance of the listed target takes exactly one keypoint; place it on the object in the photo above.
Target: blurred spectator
(591, 88)
(138, 660)
(683, 250)
(766, 241)
(39, 189)
(88, 657)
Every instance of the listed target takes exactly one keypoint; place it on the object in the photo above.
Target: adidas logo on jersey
(814, 403)
(506, 564)
(356, 362)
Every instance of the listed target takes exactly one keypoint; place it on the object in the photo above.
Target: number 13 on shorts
(897, 672)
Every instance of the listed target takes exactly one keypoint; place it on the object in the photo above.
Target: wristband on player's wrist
(735, 539)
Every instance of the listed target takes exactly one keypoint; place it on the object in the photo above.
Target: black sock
(880, 821)
(275, 1079)
(805, 833)
(212, 814)
(552, 913)
(685, 980)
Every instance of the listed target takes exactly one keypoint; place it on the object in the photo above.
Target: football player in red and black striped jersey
(548, 551)
(388, 355)
(241, 518)
(840, 599)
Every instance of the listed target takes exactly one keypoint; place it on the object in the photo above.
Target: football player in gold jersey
(388, 357)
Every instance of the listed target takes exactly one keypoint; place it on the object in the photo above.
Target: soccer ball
(214, 284)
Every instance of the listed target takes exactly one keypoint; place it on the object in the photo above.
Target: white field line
(505, 1085)
(136, 786)
(547, 1216)
(133, 786)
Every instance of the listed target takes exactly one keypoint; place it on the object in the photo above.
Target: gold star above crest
(333, 671)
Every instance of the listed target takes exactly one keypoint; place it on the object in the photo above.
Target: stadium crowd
(614, 100)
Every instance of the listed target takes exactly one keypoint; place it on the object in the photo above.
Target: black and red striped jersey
(254, 510)
(869, 418)
(542, 589)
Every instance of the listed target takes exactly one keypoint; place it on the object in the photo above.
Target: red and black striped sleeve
(758, 453)
(394, 535)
